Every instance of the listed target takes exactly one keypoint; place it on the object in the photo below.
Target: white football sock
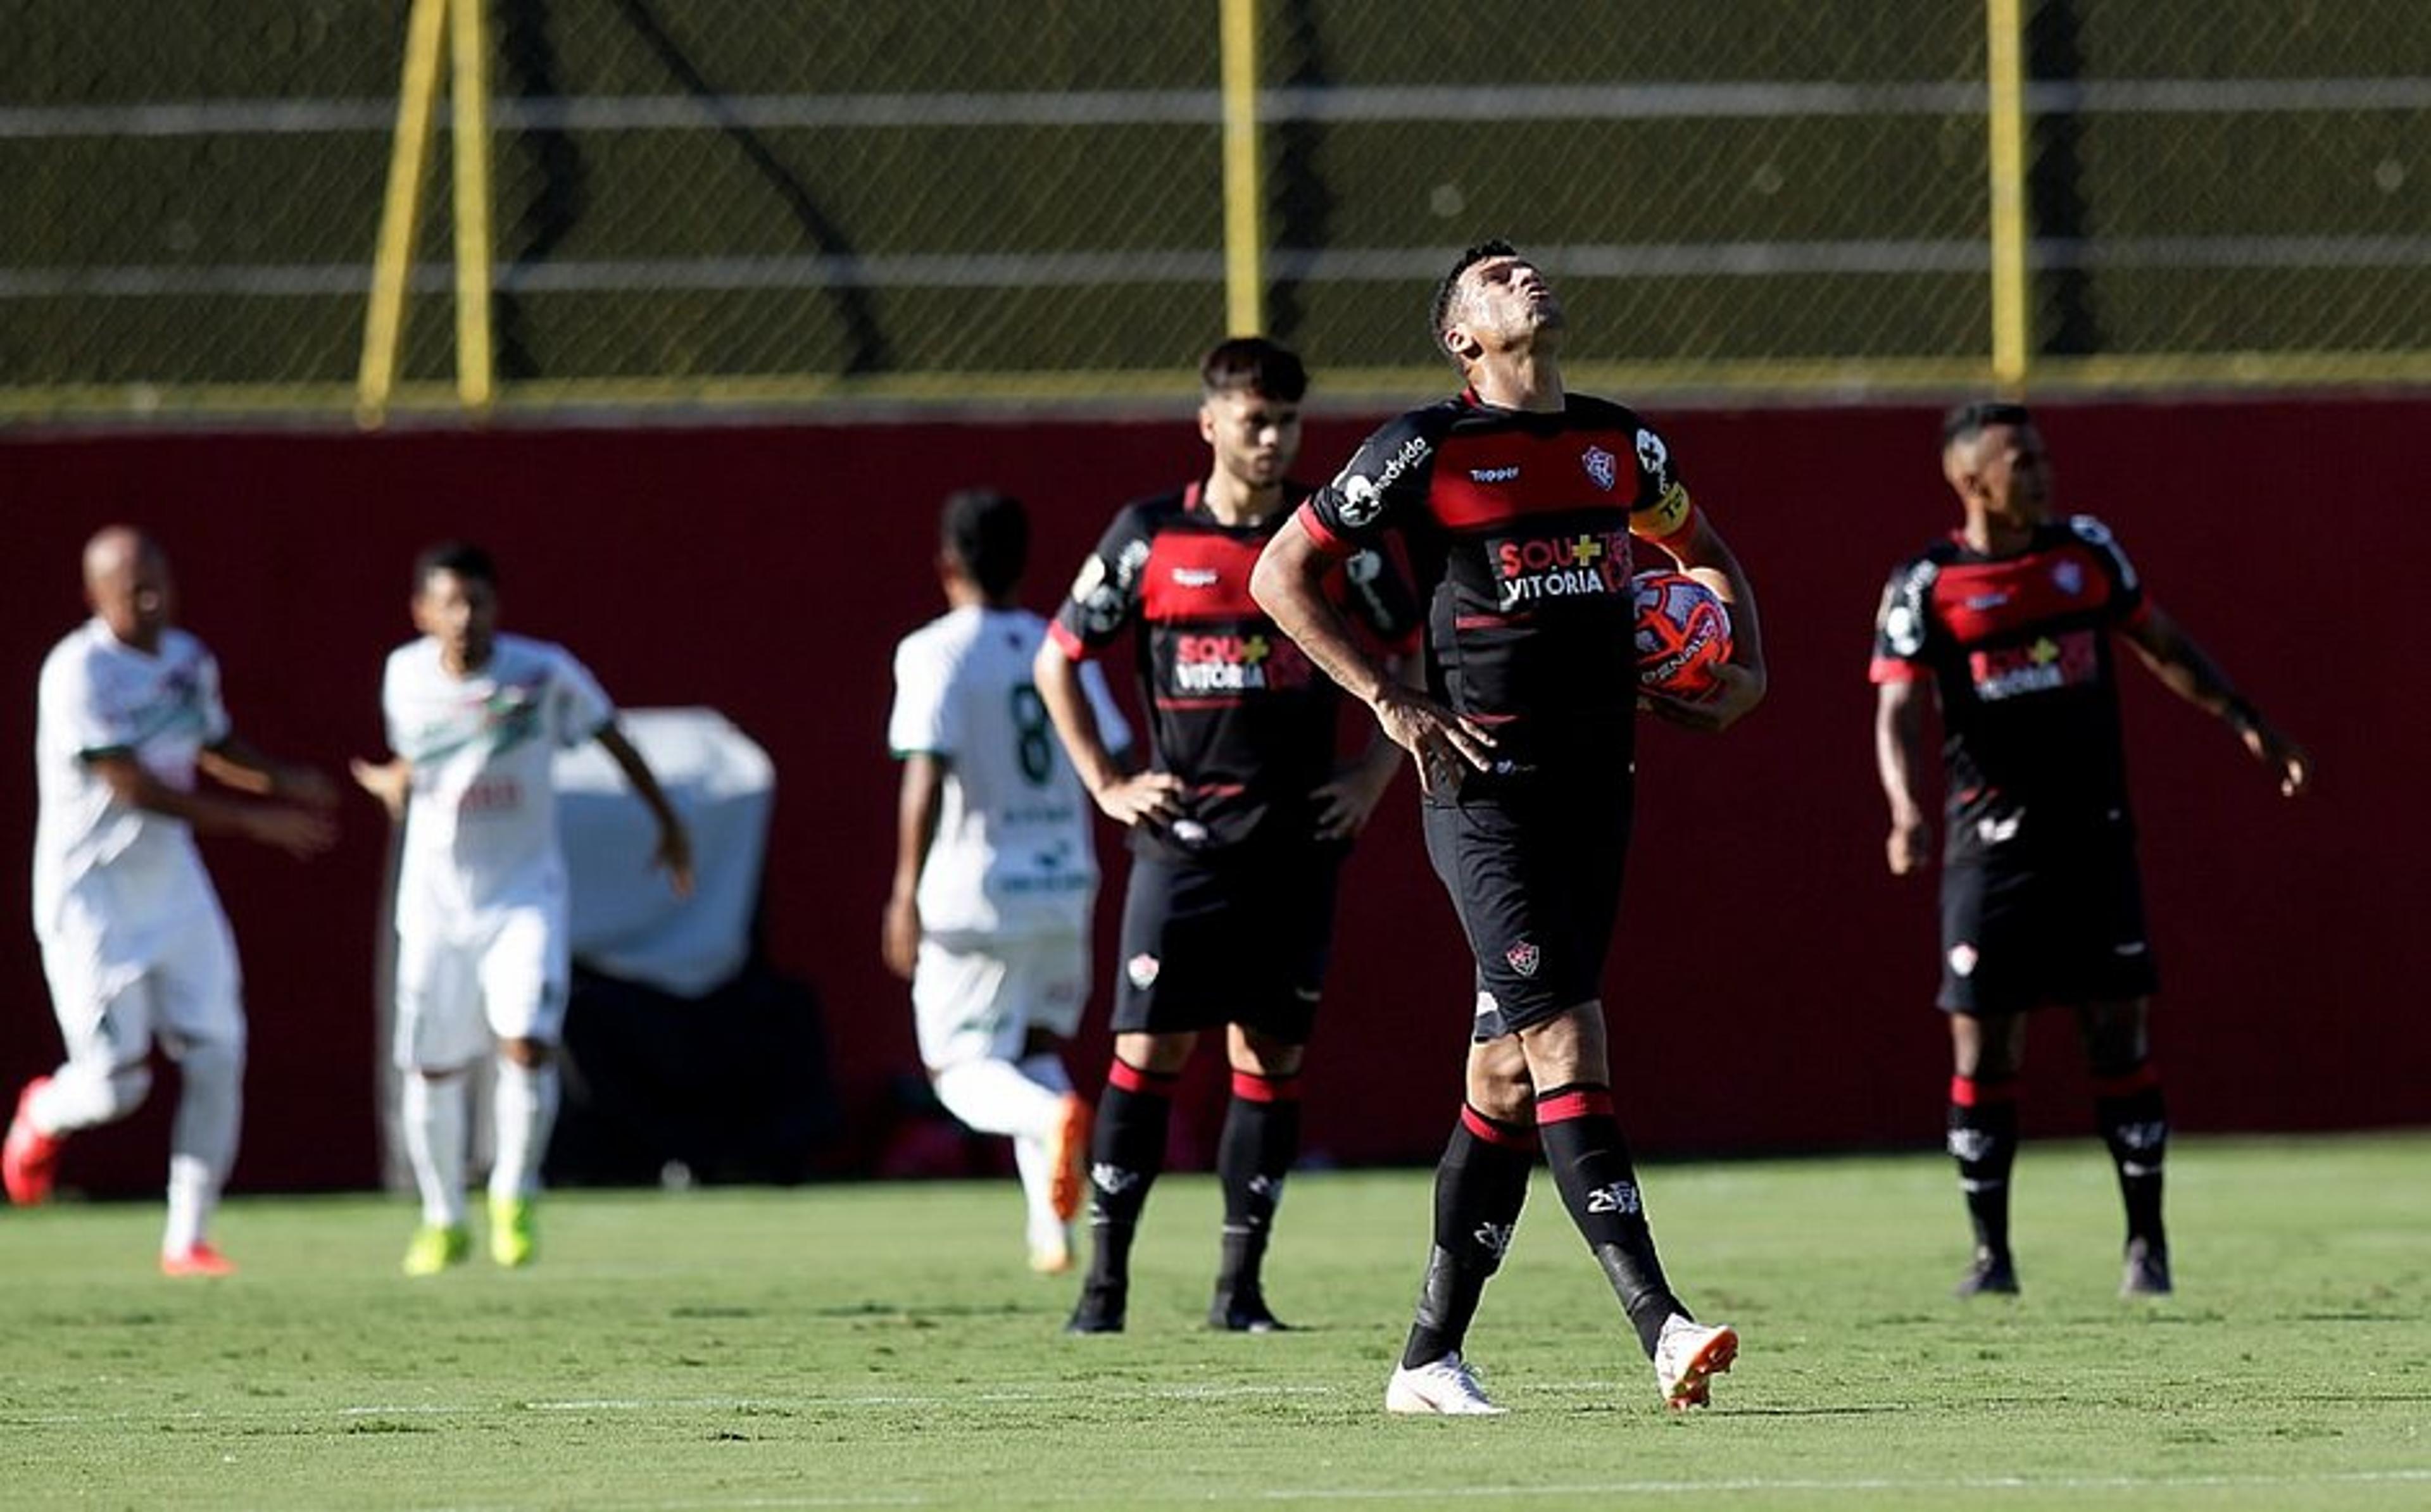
(202, 1139)
(86, 1094)
(432, 1111)
(995, 1097)
(523, 1105)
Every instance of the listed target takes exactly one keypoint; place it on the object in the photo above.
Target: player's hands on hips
(1443, 744)
(1909, 849)
(899, 934)
(2283, 756)
(1142, 798)
(300, 832)
(1736, 689)
(674, 858)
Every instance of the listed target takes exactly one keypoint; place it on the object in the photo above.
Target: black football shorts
(1226, 942)
(1535, 876)
(2017, 936)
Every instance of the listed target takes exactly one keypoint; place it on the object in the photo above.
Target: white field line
(1476, 1490)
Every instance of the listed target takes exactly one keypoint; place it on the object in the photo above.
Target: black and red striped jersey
(1235, 709)
(1519, 527)
(2019, 652)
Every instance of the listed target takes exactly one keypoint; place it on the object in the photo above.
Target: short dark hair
(461, 558)
(1967, 421)
(1440, 311)
(1253, 364)
(987, 533)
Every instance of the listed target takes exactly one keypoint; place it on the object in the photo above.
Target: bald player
(134, 943)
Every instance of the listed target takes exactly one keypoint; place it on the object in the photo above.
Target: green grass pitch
(882, 1346)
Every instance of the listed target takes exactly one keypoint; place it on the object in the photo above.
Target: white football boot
(1686, 1358)
(1443, 1387)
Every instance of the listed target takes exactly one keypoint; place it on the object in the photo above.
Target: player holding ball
(1522, 505)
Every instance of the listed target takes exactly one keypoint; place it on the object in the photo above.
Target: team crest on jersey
(2069, 576)
(1524, 958)
(1603, 467)
(1142, 970)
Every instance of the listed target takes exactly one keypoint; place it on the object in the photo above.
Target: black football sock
(1479, 1185)
(1983, 1142)
(1591, 1165)
(1126, 1151)
(2135, 1126)
(1260, 1141)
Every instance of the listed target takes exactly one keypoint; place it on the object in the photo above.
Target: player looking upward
(474, 717)
(1237, 827)
(134, 943)
(2009, 622)
(1521, 503)
(995, 874)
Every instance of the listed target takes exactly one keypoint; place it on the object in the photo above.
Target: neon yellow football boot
(513, 1234)
(437, 1246)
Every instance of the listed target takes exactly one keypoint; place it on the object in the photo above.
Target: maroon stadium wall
(1773, 989)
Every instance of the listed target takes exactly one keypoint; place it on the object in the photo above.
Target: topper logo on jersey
(2008, 672)
(1493, 475)
(1362, 497)
(1236, 664)
(1588, 563)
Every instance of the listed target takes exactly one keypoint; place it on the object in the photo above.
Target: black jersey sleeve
(1105, 595)
(2126, 600)
(1384, 486)
(1380, 599)
(1904, 624)
(1662, 512)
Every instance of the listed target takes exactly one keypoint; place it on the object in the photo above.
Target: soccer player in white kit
(473, 718)
(995, 874)
(134, 943)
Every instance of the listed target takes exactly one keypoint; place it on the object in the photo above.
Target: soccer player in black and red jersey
(2009, 622)
(1521, 505)
(1237, 826)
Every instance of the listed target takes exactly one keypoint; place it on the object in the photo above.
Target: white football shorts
(502, 973)
(124, 972)
(979, 1001)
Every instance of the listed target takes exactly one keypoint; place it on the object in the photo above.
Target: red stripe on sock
(2128, 1083)
(1492, 1132)
(1578, 1103)
(1131, 1078)
(1967, 1092)
(1252, 1088)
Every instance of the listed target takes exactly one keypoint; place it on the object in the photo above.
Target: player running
(1520, 504)
(475, 718)
(2009, 622)
(995, 874)
(134, 943)
(1237, 828)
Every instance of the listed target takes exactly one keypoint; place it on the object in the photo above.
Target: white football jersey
(482, 824)
(1013, 855)
(99, 696)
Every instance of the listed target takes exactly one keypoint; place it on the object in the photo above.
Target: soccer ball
(1683, 632)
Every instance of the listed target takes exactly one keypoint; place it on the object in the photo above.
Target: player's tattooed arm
(2187, 669)
(1288, 584)
(1899, 760)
